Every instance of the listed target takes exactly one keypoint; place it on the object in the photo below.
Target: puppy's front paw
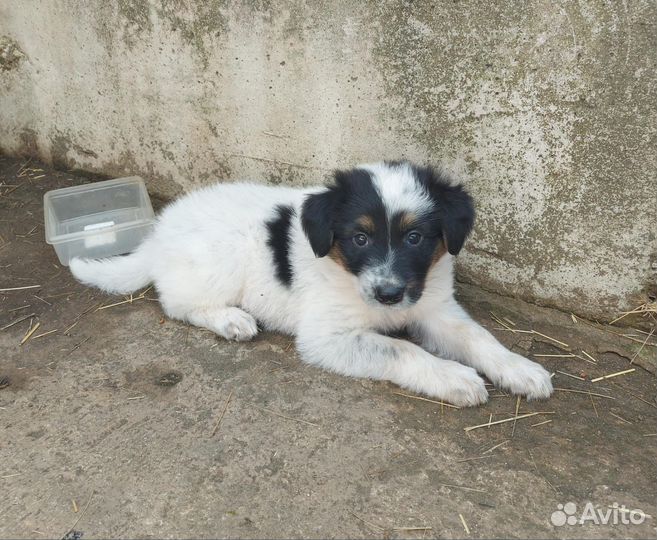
(237, 325)
(522, 376)
(457, 384)
(470, 391)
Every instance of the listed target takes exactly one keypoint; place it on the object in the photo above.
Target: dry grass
(465, 525)
(29, 333)
(508, 328)
(648, 309)
(441, 403)
(128, 300)
(79, 516)
(612, 375)
(19, 320)
(582, 392)
(221, 416)
(20, 288)
(513, 419)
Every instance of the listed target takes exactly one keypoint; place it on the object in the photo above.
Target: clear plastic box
(98, 220)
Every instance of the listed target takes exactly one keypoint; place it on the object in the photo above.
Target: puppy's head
(388, 224)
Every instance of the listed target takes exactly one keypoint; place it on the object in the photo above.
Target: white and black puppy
(339, 268)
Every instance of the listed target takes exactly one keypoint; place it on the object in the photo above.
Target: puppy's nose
(389, 294)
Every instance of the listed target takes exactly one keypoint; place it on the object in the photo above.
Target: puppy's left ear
(317, 220)
(456, 215)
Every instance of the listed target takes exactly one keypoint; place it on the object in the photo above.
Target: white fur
(209, 261)
(397, 186)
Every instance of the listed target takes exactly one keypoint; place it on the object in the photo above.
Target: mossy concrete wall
(547, 110)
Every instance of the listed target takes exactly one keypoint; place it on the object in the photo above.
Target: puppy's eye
(360, 240)
(414, 238)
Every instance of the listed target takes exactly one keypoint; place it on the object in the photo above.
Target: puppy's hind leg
(229, 322)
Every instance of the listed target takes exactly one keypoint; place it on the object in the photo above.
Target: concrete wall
(546, 109)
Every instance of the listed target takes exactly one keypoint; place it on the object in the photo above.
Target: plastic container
(98, 220)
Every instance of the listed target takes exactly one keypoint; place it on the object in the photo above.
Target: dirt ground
(121, 423)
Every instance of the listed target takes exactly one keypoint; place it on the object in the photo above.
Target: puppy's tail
(117, 275)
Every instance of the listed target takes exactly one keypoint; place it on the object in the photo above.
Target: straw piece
(515, 416)
(527, 415)
(486, 457)
(71, 327)
(20, 288)
(465, 488)
(556, 490)
(621, 418)
(45, 334)
(441, 403)
(571, 375)
(221, 416)
(42, 300)
(465, 525)
(552, 339)
(627, 336)
(286, 417)
(129, 300)
(19, 308)
(496, 446)
(501, 322)
(634, 395)
(80, 516)
(30, 332)
(594, 407)
(555, 355)
(589, 356)
(366, 522)
(582, 392)
(648, 307)
(21, 319)
(611, 375)
(541, 423)
(652, 330)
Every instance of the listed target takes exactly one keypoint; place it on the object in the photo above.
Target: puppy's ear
(454, 205)
(457, 217)
(317, 220)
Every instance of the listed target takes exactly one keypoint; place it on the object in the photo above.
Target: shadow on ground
(118, 422)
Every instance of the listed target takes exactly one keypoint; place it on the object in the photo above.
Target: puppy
(339, 268)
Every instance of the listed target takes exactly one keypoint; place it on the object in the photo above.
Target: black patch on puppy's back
(279, 242)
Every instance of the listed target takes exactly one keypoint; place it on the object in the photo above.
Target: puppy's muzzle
(389, 294)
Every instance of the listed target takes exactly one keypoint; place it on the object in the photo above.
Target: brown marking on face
(336, 254)
(441, 249)
(367, 223)
(407, 220)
